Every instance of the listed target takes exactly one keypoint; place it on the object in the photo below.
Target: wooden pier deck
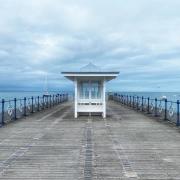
(54, 145)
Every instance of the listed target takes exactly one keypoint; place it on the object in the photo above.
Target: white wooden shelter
(90, 89)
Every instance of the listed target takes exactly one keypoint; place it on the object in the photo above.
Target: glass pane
(84, 90)
(95, 89)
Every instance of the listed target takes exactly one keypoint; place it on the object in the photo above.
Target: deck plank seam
(24, 149)
(128, 170)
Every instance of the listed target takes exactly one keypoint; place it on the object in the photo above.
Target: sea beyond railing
(17, 108)
(161, 108)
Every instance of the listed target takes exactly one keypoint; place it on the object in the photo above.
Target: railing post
(133, 101)
(142, 103)
(137, 103)
(15, 108)
(156, 107)
(47, 99)
(130, 101)
(177, 122)
(50, 101)
(165, 112)
(32, 106)
(38, 103)
(2, 120)
(53, 100)
(148, 104)
(43, 103)
(60, 98)
(25, 106)
(127, 103)
(57, 98)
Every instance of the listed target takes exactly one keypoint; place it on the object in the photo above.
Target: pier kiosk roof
(90, 89)
(90, 70)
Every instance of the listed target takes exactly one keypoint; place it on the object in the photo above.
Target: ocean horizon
(9, 95)
(171, 96)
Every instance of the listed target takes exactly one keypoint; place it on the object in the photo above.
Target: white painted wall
(90, 105)
(75, 102)
(104, 99)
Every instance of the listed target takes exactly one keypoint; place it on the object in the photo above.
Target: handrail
(162, 108)
(17, 108)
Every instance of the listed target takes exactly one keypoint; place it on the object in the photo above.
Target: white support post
(104, 99)
(75, 102)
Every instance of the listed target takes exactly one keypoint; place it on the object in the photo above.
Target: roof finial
(90, 68)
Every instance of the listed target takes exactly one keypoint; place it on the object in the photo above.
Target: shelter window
(95, 89)
(84, 90)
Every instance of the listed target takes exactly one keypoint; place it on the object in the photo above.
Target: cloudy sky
(139, 38)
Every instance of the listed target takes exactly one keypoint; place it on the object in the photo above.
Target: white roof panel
(90, 71)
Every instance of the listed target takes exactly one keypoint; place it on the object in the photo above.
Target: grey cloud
(139, 38)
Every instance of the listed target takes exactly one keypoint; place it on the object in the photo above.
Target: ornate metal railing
(21, 107)
(162, 108)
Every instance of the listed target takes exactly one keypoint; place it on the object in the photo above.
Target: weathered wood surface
(53, 145)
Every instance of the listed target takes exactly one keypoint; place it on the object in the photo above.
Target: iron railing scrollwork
(21, 107)
(162, 108)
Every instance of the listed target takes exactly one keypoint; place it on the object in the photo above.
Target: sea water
(10, 96)
(171, 96)
(20, 95)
